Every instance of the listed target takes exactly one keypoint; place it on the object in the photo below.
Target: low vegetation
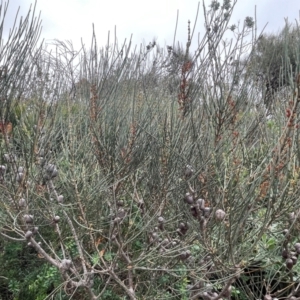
(158, 173)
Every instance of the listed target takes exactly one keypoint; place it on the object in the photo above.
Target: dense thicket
(152, 173)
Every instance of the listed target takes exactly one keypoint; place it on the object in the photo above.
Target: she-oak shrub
(144, 192)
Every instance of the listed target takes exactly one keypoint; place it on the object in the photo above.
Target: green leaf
(108, 256)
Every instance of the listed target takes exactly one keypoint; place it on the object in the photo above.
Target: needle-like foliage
(149, 172)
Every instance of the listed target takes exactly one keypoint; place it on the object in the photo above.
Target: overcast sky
(72, 19)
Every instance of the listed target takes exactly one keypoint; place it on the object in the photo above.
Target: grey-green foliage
(143, 185)
(17, 52)
(275, 60)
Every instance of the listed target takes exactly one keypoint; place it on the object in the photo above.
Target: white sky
(72, 19)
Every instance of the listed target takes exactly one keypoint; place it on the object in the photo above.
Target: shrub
(124, 189)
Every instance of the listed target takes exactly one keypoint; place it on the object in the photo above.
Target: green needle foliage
(147, 173)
